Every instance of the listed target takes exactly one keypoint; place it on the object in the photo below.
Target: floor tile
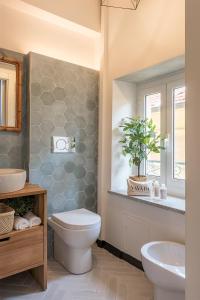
(110, 279)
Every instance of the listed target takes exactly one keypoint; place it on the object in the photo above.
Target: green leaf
(139, 139)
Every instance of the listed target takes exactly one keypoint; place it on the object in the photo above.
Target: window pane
(179, 133)
(152, 111)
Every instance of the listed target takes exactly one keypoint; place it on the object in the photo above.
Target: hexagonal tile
(15, 152)
(90, 177)
(81, 134)
(80, 198)
(91, 105)
(80, 147)
(35, 89)
(89, 190)
(59, 120)
(80, 122)
(89, 202)
(47, 181)
(47, 98)
(58, 202)
(35, 161)
(79, 171)
(70, 129)
(70, 115)
(35, 147)
(35, 177)
(59, 93)
(59, 186)
(59, 107)
(70, 205)
(47, 84)
(79, 159)
(46, 126)
(36, 118)
(4, 148)
(69, 167)
(36, 104)
(91, 129)
(4, 161)
(46, 168)
(59, 173)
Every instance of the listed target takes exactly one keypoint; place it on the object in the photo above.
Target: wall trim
(120, 254)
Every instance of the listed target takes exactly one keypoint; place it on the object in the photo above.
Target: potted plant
(139, 139)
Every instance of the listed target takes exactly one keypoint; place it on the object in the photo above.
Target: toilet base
(74, 260)
(161, 294)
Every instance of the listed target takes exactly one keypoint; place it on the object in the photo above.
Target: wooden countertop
(28, 190)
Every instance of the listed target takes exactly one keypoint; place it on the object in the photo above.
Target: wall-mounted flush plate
(63, 144)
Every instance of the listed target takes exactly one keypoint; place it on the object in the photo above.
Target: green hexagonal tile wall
(63, 101)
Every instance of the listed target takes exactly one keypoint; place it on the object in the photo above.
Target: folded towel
(20, 223)
(32, 219)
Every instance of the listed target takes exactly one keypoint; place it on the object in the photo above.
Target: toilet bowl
(74, 233)
(164, 265)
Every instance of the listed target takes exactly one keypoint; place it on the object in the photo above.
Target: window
(179, 133)
(163, 101)
(152, 111)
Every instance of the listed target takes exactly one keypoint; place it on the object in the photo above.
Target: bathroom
(82, 68)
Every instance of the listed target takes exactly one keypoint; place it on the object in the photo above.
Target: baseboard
(120, 254)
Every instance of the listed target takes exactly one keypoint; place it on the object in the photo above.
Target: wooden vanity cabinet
(26, 249)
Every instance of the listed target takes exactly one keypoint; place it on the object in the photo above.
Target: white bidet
(164, 265)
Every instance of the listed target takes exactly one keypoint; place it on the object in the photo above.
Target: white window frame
(164, 85)
(175, 185)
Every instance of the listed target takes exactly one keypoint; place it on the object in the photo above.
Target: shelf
(28, 190)
(17, 232)
(26, 249)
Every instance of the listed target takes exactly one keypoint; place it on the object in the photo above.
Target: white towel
(32, 219)
(20, 223)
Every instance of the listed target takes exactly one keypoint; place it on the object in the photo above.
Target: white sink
(12, 180)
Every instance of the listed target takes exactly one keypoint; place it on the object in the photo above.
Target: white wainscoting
(131, 224)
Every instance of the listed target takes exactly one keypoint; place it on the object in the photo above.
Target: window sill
(171, 203)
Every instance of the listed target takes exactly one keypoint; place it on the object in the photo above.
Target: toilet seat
(77, 219)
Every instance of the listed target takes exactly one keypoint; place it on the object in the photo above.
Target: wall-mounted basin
(12, 180)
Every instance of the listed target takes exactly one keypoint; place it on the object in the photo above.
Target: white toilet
(74, 233)
(164, 265)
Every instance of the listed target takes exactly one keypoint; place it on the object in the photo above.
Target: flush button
(62, 144)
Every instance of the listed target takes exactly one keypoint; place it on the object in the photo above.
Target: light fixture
(123, 4)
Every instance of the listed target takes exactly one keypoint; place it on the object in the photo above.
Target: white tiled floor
(110, 279)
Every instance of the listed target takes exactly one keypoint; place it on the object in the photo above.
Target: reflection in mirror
(10, 95)
(2, 102)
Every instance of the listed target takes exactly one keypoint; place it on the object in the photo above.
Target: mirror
(10, 94)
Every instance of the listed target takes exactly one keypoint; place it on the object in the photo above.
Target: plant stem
(139, 170)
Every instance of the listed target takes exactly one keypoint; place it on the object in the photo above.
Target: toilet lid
(77, 219)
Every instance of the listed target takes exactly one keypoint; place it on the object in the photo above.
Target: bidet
(164, 265)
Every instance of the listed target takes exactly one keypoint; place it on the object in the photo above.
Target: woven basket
(6, 218)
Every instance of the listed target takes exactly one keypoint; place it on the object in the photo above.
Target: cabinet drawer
(20, 251)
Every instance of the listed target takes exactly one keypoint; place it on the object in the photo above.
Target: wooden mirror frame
(18, 121)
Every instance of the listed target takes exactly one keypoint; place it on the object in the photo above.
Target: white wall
(192, 150)
(151, 34)
(124, 105)
(26, 28)
(134, 40)
(83, 12)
